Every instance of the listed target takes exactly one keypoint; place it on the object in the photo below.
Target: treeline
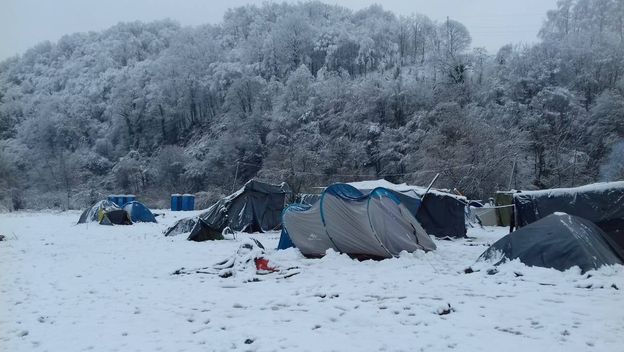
(312, 94)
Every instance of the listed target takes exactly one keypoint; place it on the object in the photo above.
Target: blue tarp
(138, 212)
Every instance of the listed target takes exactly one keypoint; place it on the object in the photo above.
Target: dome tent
(138, 212)
(374, 225)
(558, 241)
(105, 212)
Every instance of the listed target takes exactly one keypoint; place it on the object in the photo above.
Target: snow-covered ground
(67, 287)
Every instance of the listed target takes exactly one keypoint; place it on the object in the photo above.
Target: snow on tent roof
(91, 213)
(594, 187)
(403, 187)
(441, 213)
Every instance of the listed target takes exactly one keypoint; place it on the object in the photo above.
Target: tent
(97, 211)
(114, 217)
(256, 207)
(441, 214)
(138, 212)
(91, 213)
(105, 212)
(601, 203)
(558, 241)
(203, 232)
(374, 225)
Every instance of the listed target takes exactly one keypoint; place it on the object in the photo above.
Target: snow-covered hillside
(67, 287)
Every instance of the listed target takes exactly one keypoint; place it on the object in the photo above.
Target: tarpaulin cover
(601, 203)
(558, 241)
(256, 207)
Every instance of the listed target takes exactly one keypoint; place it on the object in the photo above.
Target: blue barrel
(176, 202)
(122, 200)
(188, 202)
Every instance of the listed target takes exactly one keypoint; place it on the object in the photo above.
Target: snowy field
(67, 287)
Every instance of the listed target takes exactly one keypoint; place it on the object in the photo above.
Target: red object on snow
(263, 264)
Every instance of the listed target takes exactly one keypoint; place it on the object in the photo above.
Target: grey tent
(374, 225)
(441, 214)
(558, 241)
(256, 207)
(601, 203)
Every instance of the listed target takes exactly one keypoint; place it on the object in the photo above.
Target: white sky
(24, 23)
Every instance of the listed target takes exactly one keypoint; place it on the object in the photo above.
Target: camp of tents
(557, 228)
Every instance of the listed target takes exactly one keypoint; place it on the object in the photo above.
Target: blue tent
(377, 224)
(138, 212)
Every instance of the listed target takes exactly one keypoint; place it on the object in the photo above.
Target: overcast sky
(24, 23)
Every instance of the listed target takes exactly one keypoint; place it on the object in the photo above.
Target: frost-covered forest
(312, 94)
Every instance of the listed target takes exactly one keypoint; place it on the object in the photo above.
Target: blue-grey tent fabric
(373, 225)
(558, 241)
(138, 212)
(285, 242)
(440, 213)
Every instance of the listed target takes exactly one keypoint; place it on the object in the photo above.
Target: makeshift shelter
(601, 203)
(105, 212)
(256, 207)
(558, 241)
(374, 225)
(138, 212)
(203, 232)
(441, 214)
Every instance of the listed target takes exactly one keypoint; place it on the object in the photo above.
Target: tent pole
(511, 177)
(235, 176)
(428, 188)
